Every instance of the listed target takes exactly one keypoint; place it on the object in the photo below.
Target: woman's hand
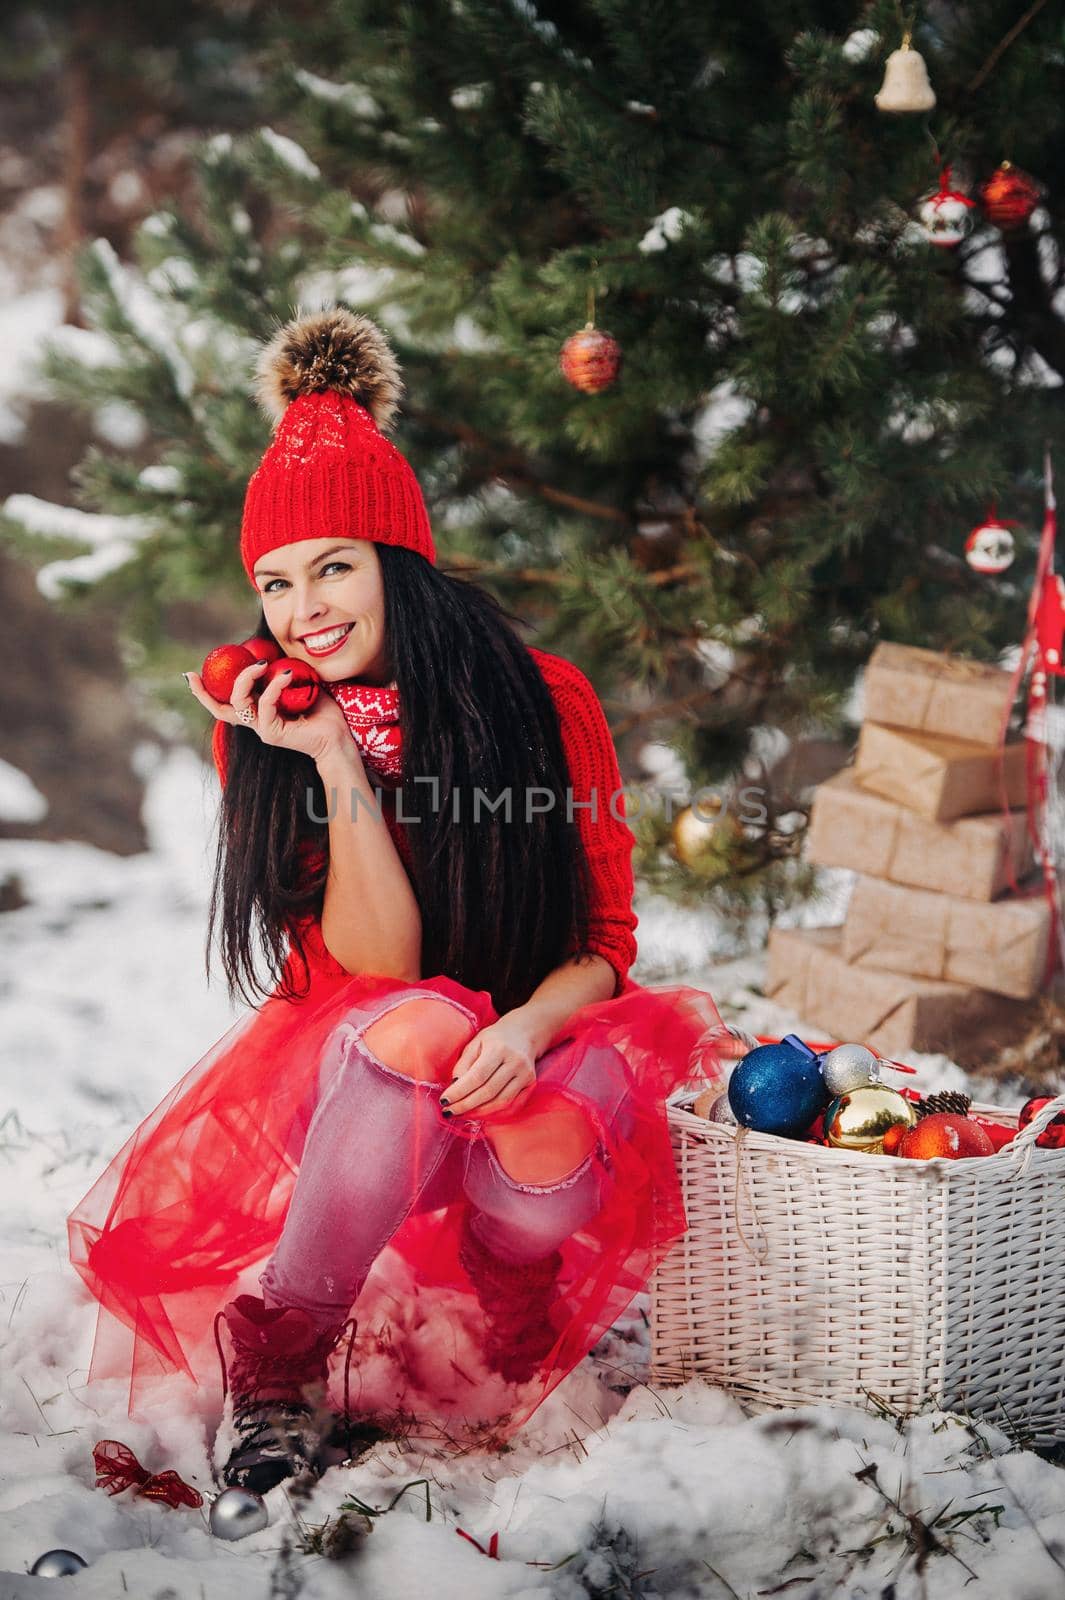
(318, 733)
(497, 1069)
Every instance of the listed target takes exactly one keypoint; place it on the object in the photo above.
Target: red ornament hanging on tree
(947, 215)
(989, 549)
(590, 359)
(1009, 197)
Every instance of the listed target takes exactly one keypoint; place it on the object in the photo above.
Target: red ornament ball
(1051, 1138)
(221, 669)
(261, 649)
(1000, 1133)
(815, 1133)
(945, 1134)
(1009, 197)
(893, 1138)
(590, 360)
(301, 691)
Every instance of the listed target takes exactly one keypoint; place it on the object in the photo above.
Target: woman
(449, 1111)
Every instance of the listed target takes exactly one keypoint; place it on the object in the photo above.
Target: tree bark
(77, 153)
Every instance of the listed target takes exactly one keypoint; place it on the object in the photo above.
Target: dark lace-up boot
(517, 1303)
(276, 1381)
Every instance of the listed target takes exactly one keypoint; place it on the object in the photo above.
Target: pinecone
(947, 1100)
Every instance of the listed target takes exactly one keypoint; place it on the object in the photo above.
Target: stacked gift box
(936, 950)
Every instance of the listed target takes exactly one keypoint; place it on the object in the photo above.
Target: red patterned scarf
(372, 714)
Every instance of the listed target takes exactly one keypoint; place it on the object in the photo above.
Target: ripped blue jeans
(377, 1150)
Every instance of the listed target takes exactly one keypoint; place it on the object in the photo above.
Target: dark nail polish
(446, 1113)
(287, 672)
(444, 1102)
(186, 678)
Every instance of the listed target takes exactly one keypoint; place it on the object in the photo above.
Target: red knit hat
(329, 382)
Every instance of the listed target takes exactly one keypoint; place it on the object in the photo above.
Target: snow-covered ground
(611, 1489)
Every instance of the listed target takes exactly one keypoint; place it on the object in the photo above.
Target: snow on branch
(114, 539)
(289, 153)
(147, 317)
(350, 96)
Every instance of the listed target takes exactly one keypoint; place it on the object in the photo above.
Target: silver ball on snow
(57, 1564)
(238, 1512)
(847, 1067)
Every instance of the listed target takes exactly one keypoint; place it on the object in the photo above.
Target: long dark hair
(502, 903)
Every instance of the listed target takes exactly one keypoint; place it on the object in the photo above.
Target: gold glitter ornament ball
(859, 1119)
(590, 360)
(692, 831)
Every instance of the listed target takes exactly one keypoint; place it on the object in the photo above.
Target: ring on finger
(246, 714)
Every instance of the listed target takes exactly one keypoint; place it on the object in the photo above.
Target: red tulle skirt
(193, 1204)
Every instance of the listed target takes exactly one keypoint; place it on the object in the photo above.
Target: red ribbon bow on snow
(117, 1468)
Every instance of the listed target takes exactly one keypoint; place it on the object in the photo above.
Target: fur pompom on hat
(329, 382)
(335, 349)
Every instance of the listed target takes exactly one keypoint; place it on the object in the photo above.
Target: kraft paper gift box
(1001, 946)
(889, 1011)
(936, 775)
(913, 688)
(849, 827)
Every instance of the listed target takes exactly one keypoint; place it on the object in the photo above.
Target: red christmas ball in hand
(221, 669)
(300, 691)
(590, 360)
(1052, 1137)
(947, 1134)
(261, 649)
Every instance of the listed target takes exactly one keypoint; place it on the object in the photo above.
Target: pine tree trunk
(77, 152)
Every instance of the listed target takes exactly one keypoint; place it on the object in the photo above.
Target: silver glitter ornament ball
(721, 1111)
(57, 1564)
(849, 1066)
(238, 1512)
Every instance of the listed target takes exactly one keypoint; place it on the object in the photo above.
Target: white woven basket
(809, 1274)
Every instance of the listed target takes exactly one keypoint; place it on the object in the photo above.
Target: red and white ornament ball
(590, 360)
(990, 549)
(947, 215)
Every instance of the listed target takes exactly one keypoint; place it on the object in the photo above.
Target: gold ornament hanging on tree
(905, 86)
(692, 832)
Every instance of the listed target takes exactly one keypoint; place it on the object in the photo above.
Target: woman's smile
(328, 640)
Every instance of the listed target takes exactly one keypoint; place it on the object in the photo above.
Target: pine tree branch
(512, 467)
(684, 702)
(1003, 45)
(552, 575)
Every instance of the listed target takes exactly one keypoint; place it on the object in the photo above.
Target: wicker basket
(809, 1274)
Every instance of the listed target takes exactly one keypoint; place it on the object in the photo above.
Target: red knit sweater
(607, 838)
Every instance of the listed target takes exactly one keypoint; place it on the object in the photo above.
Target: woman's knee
(420, 1038)
(545, 1142)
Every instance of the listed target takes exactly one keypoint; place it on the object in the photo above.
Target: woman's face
(324, 602)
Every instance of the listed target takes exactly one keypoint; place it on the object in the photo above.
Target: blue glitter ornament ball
(778, 1088)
